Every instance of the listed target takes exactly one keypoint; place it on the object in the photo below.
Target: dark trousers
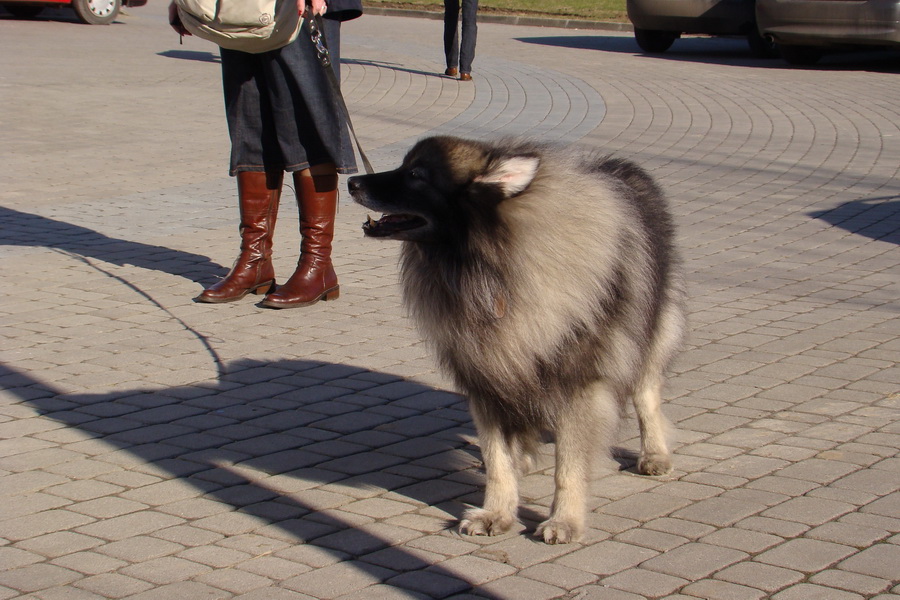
(460, 53)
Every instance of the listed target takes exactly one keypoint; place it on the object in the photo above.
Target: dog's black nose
(353, 184)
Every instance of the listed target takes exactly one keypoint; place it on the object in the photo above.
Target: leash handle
(317, 35)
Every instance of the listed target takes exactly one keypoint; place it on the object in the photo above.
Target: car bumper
(720, 17)
(829, 22)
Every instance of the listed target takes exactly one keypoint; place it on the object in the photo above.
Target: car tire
(800, 55)
(97, 12)
(761, 47)
(24, 11)
(653, 41)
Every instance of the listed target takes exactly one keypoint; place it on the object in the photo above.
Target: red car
(92, 12)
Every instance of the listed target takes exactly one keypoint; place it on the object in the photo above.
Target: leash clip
(318, 39)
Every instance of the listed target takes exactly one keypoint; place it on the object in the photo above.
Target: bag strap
(317, 35)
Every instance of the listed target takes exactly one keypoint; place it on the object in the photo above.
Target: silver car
(806, 29)
(658, 23)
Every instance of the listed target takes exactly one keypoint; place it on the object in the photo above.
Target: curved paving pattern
(508, 99)
(152, 448)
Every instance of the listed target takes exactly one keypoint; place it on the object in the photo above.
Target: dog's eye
(417, 174)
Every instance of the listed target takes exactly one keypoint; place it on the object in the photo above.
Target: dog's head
(444, 187)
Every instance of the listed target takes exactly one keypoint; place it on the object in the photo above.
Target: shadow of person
(27, 229)
(875, 218)
(391, 66)
(211, 57)
(266, 437)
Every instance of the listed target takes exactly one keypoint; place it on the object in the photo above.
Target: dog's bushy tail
(628, 172)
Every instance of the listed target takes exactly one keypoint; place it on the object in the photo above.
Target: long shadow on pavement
(265, 433)
(27, 229)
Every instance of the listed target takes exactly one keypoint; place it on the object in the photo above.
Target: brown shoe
(314, 278)
(465, 77)
(258, 196)
(451, 72)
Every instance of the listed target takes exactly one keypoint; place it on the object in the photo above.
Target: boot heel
(332, 294)
(264, 289)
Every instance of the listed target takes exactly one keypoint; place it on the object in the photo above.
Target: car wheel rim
(102, 8)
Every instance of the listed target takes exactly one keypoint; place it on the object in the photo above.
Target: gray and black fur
(549, 285)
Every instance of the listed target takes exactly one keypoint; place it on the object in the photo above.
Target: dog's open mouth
(389, 225)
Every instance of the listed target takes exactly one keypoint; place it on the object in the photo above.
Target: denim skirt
(281, 108)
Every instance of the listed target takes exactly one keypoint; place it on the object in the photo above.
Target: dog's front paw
(478, 521)
(654, 464)
(558, 531)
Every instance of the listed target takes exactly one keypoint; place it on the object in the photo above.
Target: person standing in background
(460, 50)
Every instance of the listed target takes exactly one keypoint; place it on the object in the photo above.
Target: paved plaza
(152, 448)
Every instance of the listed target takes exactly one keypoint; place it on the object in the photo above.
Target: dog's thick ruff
(549, 285)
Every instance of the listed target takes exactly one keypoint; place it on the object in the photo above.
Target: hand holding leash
(316, 7)
(175, 20)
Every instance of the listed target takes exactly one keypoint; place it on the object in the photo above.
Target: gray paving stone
(756, 575)
(337, 580)
(722, 590)
(597, 592)
(558, 576)
(851, 582)
(114, 585)
(42, 523)
(430, 584)
(520, 587)
(56, 544)
(805, 555)
(13, 558)
(809, 511)
(719, 512)
(36, 577)
(694, 560)
(607, 557)
(385, 591)
(183, 589)
(806, 590)
(879, 560)
(646, 583)
(89, 563)
(273, 593)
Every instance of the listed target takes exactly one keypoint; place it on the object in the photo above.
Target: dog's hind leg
(577, 435)
(501, 495)
(655, 456)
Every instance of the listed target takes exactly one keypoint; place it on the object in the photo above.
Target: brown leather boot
(314, 278)
(258, 195)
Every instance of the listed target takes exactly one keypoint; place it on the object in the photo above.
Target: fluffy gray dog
(550, 289)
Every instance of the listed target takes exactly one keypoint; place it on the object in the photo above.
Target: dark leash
(317, 35)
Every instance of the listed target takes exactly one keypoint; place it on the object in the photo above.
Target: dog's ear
(512, 173)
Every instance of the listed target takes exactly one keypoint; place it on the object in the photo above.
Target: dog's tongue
(377, 228)
(390, 224)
